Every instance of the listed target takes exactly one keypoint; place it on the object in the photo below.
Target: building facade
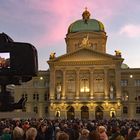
(86, 82)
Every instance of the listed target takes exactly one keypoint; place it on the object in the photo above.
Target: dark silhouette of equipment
(18, 63)
(7, 101)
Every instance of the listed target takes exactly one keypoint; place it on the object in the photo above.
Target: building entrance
(99, 112)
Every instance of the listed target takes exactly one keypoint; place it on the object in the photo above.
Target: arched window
(57, 113)
(70, 112)
(84, 112)
(99, 112)
(112, 112)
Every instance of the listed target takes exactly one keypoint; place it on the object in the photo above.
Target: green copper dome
(86, 24)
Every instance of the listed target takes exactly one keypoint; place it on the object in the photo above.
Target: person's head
(63, 136)
(85, 132)
(101, 129)
(6, 130)
(25, 125)
(94, 135)
(18, 133)
(42, 127)
(31, 133)
(138, 134)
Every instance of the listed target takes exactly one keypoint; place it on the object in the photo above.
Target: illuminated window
(112, 112)
(125, 96)
(84, 85)
(57, 114)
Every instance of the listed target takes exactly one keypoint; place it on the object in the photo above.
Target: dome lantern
(86, 15)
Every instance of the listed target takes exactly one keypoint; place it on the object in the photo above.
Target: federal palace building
(86, 82)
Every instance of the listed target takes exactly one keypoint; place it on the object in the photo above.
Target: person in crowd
(137, 135)
(102, 133)
(70, 130)
(56, 131)
(132, 134)
(31, 133)
(63, 136)
(18, 133)
(25, 125)
(49, 131)
(116, 135)
(6, 135)
(41, 132)
(84, 134)
(94, 135)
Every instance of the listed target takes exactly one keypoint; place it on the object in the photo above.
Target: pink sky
(44, 24)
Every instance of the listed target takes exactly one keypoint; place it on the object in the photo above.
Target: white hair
(18, 133)
(31, 133)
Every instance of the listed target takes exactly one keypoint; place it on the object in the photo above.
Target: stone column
(106, 88)
(91, 84)
(118, 85)
(52, 83)
(77, 83)
(63, 86)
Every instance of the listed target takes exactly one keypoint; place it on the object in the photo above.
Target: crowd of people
(44, 129)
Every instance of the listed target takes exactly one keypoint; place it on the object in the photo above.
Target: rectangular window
(45, 96)
(138, 110)
(36, 96)
(124, 83)
(71, 85)
(125, 110)
(99, 85)
(137, 82)
(24, 95)
(84, 85)
(36, 109)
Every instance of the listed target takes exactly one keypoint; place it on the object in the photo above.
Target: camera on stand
(18, 63)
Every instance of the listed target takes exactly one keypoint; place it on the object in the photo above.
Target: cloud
(46, 21)
(130, 30)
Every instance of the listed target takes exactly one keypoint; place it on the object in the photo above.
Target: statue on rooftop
(52, 55)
